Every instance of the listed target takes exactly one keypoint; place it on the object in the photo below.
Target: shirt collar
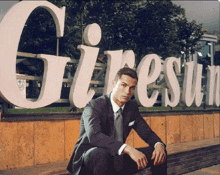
(115, 107)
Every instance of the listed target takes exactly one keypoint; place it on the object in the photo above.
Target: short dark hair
(126, 71)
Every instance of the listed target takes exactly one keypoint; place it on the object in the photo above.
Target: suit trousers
(98, 161)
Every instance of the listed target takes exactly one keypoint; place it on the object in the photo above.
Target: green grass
(161, 108)
(40, 110)
(67, 109)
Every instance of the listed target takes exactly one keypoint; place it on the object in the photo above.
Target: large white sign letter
(213, 80)
(116, 60)
(192, 84)
(148, 71)
(11, 28)
(172, 82)
(79, 94)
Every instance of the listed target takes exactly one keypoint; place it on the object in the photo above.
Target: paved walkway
(60, 169)
(206, 171)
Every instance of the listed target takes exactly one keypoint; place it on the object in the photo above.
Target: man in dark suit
(101, 148)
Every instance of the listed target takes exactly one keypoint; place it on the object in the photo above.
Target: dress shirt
(115, 108)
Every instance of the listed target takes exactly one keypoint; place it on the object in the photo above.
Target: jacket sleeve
(144, 131)
(93, 127)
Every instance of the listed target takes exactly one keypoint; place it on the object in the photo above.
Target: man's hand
(159, 155)
(137, 156)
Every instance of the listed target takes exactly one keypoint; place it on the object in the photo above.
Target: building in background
(207, 51)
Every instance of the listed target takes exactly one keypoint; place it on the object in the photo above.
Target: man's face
(123, 89)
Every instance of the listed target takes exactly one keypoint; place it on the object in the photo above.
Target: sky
(203, 12)
(4, 6)
(206, 12)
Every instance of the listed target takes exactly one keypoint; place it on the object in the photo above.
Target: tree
(145, 26)
(156, 28)
(189, 35)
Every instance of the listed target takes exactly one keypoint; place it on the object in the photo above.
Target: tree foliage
(189, 34)
(144, 26)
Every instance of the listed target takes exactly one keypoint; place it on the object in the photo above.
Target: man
(101, 148)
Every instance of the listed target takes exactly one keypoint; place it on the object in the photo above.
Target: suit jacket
(97, 127)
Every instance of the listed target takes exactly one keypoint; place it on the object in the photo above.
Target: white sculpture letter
(11, 28)
(79, 94)
(116, 60)
(147, 76)
(213, 80)
(192, 86)
(54, 67)
(128, 59)
(172, 82)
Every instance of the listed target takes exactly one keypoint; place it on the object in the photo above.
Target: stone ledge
(190, 156)
(186, 146)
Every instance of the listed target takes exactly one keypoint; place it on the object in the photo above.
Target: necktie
(118, 122)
